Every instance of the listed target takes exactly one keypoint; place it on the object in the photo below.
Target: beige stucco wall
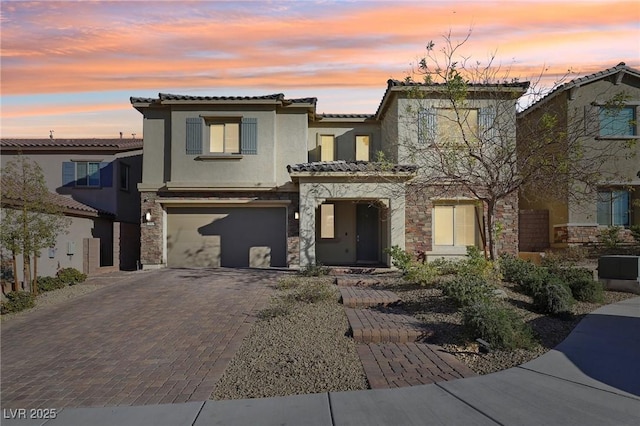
(314, 191)
(291, 143)
(345, 138)
(156, 165)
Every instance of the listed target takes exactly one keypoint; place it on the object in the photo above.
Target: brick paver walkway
(357, 297)
(157, 337)
(391, 365)
(384, 325)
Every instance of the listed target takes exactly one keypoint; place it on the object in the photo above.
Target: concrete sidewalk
(591, 378)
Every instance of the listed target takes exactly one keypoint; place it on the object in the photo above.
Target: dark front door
(367, 226)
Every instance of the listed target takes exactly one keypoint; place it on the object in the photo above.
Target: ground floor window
(454, 225)
(614, 208)
(327, 221)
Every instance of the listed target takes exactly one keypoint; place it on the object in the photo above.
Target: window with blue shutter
(194, 136)
(249, 136)
(68, 173)
(427, 125)
(486, 123)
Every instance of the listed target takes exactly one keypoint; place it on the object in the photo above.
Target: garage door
(232, 237)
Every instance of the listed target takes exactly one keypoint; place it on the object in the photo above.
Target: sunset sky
(72, 66)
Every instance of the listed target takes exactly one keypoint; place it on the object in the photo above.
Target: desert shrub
(50, 283)
(534, 280)
(314, 270)
(71, 276)
(400, 258)
(423, 274)
(310, 292)
(277, 308)
(515, 270)
(553, 297)
(17, 301)
(610, 237)
(287, 283)
(476, 264)
(445, 266)
(498, 325)
(587, 290)
(466, 290)
(635, 233)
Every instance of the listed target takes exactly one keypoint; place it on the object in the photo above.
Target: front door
(367, 226)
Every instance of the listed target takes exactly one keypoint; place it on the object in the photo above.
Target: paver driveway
(152, 337)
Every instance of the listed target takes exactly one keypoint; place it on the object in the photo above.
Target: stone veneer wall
(151, 234)
(580, 235)
(418, 220)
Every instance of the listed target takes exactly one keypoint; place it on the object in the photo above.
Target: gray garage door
(221, 236)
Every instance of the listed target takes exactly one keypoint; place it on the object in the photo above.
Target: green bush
(400, 258)
(553, 297)
(635, 233)
(587, 290)
(71, 276)
(536, 278)
(466, 290)
(50, 283)
(445, 266)
(515, 270)
(421, 273)
(610, 237)
(498, 325)
(17, 301)
(476, 264)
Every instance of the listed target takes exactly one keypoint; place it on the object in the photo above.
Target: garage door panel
(232, 237)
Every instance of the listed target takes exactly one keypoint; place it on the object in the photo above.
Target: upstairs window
(124, 177)
(224, 138)
(87, 174)
(448, 126)
(221, 136)
(327, 147)
(618, 121)
(362, 148)
(613, 208)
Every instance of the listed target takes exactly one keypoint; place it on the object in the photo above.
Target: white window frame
(87, 175)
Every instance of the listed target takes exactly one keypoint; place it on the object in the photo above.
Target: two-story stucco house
(601, 109)
(95, 182)
(267, 181)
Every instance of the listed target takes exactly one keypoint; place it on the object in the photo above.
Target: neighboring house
(95, 180)
(266, 181)
(584, 107)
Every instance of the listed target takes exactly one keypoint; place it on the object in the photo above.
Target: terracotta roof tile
(349, 166)
(118, 144)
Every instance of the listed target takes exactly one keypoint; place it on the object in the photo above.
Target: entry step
(384, 325)
(362, 297)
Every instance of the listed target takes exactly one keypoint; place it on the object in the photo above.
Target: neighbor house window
(327, 148)
(618, 121)
(362, 148)
(224, 138)
(613, 208)
(87, 173)
(327, 221)
(454, 225)
(124, 177)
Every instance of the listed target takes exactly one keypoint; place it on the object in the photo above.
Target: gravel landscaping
(297, 347)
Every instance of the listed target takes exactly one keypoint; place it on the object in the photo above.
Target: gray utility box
(620, 273)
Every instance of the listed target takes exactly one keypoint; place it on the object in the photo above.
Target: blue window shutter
(194, 136)
(249, 136)
(68, 173)
(427, 125)
(486, 118)
(106, 175)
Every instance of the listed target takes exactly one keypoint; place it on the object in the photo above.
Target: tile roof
(117, 144)
(9, 197)
(277, 97)
(347, 116)
(580, 81)
(393, 84)
(349, 166)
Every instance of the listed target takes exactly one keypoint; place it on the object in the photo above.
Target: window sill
(617, 137)
(209, 157)
(87, 187)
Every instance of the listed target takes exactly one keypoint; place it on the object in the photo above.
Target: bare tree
(461, 132)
